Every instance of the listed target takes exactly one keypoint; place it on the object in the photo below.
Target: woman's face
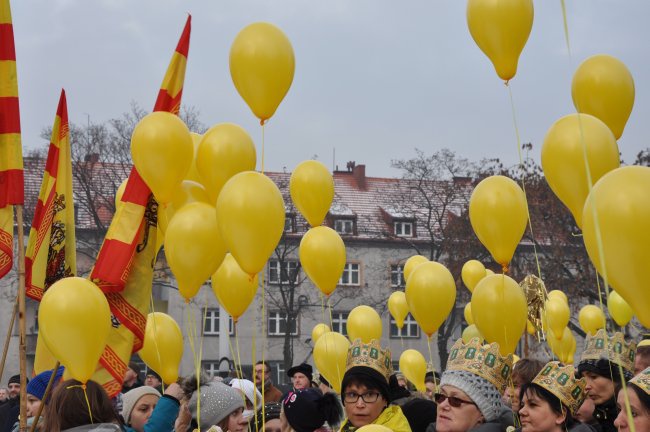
(459, 418)
(537, 416)
(237, 422)
(273, 425)
(640, 415)
(32, 405)
(361, 412)
(142, 411)
(599, 389)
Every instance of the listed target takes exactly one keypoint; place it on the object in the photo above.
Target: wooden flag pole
(8, 338)
(21, 319)
(45, 396)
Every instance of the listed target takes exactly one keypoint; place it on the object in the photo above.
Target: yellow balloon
(330, 356)
(620, 199)
(312, 190)
(162, 152)
(500, 311)
(619, 309)
(414, 367)
(75, 320)
(498, 213)
(193, 172)
(530, 328)
(322, 255)
(431, 295)
(467, 313)
(411, 264)
(318, 331)
(557, 315)
(488, 272)
(364, 323)
(591, 319)
(262, 66)
(193, 247)
(225, 150)
(162, 347)
(473, 271)
(603, 87)
(472, 332)
(563, 158)
(559, 295)
(501, 29)
(398, 307)
(561, 346)
(251, 216)
(233, 287)
(188, 192)
(374, 428)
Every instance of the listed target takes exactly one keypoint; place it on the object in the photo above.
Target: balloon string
(329, 308)
(191, 336)
(155, 335)
(566, 28)
(83, 388)
(432, 366)
(322, 307)
(241, 371)
(263, 127)
(263, 299)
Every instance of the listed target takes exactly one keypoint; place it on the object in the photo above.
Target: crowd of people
(479, 391)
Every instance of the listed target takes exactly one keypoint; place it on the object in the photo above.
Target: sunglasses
(453, 401)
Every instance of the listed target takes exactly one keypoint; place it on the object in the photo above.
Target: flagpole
(21, 319)
(8, 339)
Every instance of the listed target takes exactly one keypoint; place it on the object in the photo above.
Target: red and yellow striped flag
(51, 250)
(12, 190)
(124, 267)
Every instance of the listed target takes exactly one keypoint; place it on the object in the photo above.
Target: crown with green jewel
(642, 380)
(561, 381)
(370, 355)
(613, 348)
(482, 360)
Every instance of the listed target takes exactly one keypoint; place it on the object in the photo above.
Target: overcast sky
(374, 78)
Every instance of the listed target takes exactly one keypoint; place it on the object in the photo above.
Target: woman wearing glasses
(469, 398)
(364, 389)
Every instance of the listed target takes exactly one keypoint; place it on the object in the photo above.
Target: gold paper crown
(614, 348)
(370, 355)
(482, 360)
(642, 380)
(561, 381)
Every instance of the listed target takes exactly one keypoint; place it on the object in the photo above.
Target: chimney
(359, 174)
(462, 181)
(92, 158)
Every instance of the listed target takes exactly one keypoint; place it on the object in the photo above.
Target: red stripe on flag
(136, 191)
(6, 252)
(7, 49)
(12, 187)
(62, 113)
(128, 315)
(183, 46)
(114, 261)
(9, 115)
(52, 164)
(166, 103)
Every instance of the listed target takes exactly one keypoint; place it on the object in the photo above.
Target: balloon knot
(187, 301)
(262, 122)
(83, 386)
(506, 83)
(505, 268)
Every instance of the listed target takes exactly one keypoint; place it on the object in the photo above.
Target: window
(403, 229)
(397, 276)
(278, 325)
(339, 322)
(350, 276)
(290, 223)
(344, 226)
(410, 330)
(287, 270)
(211, 367)
(211, 326)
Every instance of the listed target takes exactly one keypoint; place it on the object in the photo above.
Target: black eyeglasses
(453, 400)
(352, 397)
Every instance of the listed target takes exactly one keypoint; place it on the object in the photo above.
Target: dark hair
(644, 397)
(643, 351)
(271, 411)
(553, 401)
(526, 369)
(223, 424)
(367, 377)
(68, 407)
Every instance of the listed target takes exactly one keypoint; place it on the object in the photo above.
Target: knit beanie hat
(271, 411)
(308, 409)
(248, 388)
(483, 393)
(130, 398)
(16, 380)
(604, 368)
(36, 387)
(218, 401)
(420, 413)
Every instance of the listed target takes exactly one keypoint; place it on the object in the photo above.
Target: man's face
(152, 381)
(261, 374)
(14, 390)
(300, 381)
(3, 395)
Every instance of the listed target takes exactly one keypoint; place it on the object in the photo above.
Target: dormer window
(403, 228)
(290, 223)
(344, 226)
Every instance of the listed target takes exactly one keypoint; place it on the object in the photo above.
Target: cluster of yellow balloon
(414, 367)
(330, 355)
(619, 202)
(501, 29)
(619, 309)
(498, 213)
(75, 320)
(564, 346)
(233, 287)
(364, 323)
(563, 158)
(557, 314)
(500, 311)
(411, 265)
(603, 87)
(262, 65)
(473, 271)
(318, 331)
(398, 308)
(430, 294)
(591, 319)
(162, 347)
